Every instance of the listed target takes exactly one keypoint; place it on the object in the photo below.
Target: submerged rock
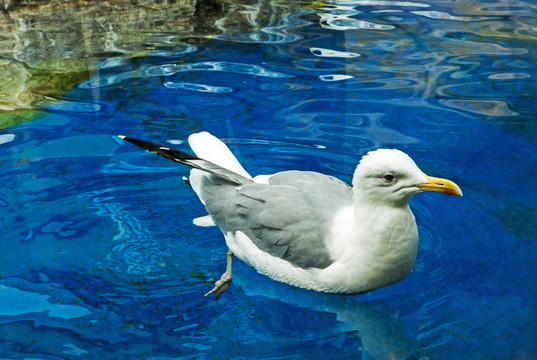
(48, 47)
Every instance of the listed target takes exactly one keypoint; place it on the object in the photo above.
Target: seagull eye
(389, 178)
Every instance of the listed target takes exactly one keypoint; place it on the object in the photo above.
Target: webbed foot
(225, 280)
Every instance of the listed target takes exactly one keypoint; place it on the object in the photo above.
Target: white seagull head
(390, 177)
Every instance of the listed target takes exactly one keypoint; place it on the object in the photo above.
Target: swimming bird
(307, 229)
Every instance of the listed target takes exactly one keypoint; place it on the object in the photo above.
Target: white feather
(210, 148)
(262, 179)
(204, 221)
(196, 177)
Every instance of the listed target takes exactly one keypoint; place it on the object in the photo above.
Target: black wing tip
(144, 144)
(187, 159)
(159, 149)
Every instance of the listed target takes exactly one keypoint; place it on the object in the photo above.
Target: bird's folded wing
(287, 221)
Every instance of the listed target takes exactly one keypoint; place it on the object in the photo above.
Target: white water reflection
(219, 66)
(440, 15)
(261, 22)
(378, 3)
(198, 87)
(332, 53)
(99, 81)
(6, 138)
(74, 106)
(343, 22)
(509, 76)
(345, 15)
(335, 77)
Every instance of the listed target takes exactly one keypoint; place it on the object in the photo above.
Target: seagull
(308, 229)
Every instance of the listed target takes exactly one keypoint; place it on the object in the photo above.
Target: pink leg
(223, 284)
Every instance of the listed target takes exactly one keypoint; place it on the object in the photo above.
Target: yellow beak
(440, 185)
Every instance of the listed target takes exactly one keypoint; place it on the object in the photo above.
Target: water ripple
(198, 87)
(509, 76)
(332, 53)
(340, 16)
(362, 130)
(6, 138)
(112, 63)
(334, 77)
(271, 143)
(268, 35)
(122, 167)
(342, 22)
(74, 350)
(482, 107)
(219, 66)
(274, 29)
(57, 227)
(135, 250)
(73, 106)
(15, 302)
(178, 50)
(440, 15)
(99, 81)
(463, 46)
(392, 3)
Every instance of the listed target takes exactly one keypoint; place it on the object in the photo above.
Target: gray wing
(290, 218)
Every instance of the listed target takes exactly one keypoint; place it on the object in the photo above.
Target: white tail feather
(210, 148)
(196, 179)
(204, 221)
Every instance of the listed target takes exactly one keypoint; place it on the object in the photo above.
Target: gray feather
(289, 218)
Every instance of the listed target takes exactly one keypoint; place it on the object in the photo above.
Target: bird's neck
(386, 240)
(368, 199)
(378, 221)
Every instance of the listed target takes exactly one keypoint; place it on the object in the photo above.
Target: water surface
(100, 257)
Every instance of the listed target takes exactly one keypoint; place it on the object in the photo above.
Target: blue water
(100, 259)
